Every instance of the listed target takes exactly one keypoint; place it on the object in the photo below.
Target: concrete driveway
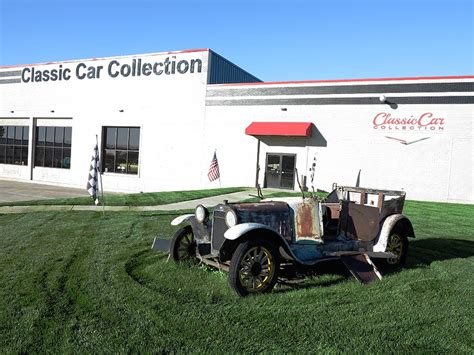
(11, 191)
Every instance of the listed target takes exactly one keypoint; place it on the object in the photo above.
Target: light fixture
(121, 110)
(52, 111)
(382, 98)
(284, 109)
(202, 214)
(12, 111)
(230, 218)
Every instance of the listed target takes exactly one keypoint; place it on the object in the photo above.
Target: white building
(160, 117)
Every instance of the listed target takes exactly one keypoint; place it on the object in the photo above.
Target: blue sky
(274, 40)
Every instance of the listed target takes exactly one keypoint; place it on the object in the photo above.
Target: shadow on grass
(421, 253)
(326, 274)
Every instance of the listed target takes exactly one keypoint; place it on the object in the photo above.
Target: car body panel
(359, 221)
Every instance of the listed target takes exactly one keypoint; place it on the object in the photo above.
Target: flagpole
(220, 184)
(102, 193)
(100, 176)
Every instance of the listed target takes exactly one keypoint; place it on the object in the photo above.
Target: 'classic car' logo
(418, 122)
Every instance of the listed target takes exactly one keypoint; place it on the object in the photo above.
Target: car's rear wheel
(397, 243)
(254, 267)
(183, 245)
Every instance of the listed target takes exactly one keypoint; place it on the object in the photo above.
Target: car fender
(240, 230)
(180, 219)
(388, 224)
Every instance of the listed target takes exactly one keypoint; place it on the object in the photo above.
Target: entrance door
(280, 171)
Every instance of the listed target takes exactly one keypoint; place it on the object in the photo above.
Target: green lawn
(139, 199)
(79, 282)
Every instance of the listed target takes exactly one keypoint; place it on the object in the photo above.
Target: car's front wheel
(183, 245)
(254, 267)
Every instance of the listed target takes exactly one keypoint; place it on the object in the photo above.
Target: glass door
(287, 172)
(272, 173)
(280, 171)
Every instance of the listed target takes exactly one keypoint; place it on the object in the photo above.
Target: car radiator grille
(219, 227)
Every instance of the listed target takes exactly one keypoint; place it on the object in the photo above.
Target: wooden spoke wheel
(183, 245)
(397, 243)
(254, 267)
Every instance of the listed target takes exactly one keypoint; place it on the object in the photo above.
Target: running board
(361, 267)
(213, 263)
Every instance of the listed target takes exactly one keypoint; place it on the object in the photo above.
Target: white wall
(169, 109)
(179, 134)
(438, 168)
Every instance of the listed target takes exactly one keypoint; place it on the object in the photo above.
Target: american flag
(213, 173)
(92, 184)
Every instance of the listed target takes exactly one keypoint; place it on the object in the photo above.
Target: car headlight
(201, 213)
(230, 218)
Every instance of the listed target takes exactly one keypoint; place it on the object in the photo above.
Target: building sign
(117, 68)
(422, 122)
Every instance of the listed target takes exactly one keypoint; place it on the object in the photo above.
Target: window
(14, 145)
(120, 149)
(53, 147)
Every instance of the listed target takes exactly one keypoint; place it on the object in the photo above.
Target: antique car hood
(275, 214)
(260, 212)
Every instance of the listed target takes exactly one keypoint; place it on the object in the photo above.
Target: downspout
(31, 143)
(257, 168)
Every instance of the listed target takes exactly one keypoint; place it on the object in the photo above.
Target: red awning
(288, 129)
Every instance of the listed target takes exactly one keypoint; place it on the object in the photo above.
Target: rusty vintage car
(252, 240)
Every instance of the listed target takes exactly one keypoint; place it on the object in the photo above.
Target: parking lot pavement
(11, 191)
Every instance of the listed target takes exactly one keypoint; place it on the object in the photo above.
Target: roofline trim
(104, 58)
(350, 80)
